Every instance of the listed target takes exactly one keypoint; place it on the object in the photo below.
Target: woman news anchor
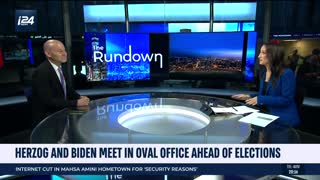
(277, 87)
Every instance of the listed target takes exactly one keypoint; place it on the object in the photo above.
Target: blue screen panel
(146, 12)
(226, 27)
(112, 57)
(234, 11)
(105, 27)
(181, 12)
(248, 26)
(30, 51)
(205, 52)
(148, 27)
(251, 54)
(133, 44)
(103, 13)
(194, 27)
(94, 42)
(169, 12)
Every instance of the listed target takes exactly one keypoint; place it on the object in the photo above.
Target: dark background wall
(290, 16)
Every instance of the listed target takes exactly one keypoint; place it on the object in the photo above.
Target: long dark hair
(275, 54)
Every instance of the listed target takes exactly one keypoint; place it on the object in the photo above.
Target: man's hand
(83, 101)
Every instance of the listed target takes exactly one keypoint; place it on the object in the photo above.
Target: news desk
(155, 118)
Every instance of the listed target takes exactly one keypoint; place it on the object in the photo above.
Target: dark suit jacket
(47, 93)
(280, 99)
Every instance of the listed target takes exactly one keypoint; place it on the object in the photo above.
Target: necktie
(62, 81)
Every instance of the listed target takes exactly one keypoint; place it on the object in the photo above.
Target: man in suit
(50, 90)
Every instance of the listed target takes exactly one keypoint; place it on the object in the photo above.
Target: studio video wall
(150, 56)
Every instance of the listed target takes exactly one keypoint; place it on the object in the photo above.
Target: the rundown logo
(128, 57)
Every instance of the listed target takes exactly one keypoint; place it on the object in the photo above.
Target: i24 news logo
(25, 20)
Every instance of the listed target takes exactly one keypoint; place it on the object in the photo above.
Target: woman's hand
(252, 101)
(241, 97)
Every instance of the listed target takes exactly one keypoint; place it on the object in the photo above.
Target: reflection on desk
(99, 122)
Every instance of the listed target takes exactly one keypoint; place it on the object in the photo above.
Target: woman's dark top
(265, 88)
(264, 91)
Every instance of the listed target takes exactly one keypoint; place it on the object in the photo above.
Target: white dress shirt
(56, 69)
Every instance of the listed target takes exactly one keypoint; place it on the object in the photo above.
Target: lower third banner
(160, 169)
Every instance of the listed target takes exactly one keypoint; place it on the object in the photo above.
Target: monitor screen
(16, 50)
(191, 27)
(124, 56)
(105, 27)
(226, 27)
(250, 56)
(169, 12)
(103, 13)
(148, 27)
(206, 52)
(235, 11)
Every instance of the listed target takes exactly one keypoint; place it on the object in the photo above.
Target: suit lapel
(55, 78)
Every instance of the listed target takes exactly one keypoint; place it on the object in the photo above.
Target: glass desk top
(171, 118)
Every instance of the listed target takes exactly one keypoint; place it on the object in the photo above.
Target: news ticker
(160, 169)
(177, 159)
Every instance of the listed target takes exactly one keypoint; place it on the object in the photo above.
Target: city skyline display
(205, 52)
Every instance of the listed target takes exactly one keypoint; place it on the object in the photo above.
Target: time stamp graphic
(293, 169)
